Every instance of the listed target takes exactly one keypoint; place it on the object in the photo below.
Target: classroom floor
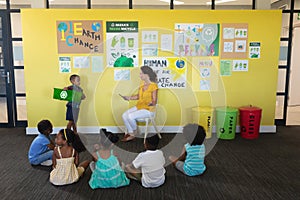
(265, 168)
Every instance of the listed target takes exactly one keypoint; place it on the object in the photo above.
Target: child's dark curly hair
(72, 139)
(194, 134)
(152, 142)
(68, 135)
(107, 138)
(44, 125)
(73, 76)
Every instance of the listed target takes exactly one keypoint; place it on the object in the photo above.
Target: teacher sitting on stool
(147, 99)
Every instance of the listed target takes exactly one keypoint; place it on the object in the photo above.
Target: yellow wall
(103, 106)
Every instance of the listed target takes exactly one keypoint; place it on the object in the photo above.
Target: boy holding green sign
(74, 104)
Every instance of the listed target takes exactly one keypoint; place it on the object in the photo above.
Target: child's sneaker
(92, 166)
(47, 163)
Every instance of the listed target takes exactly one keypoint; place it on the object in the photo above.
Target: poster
(240, 65)
(196, 40)
(225, 67)
(171, 71)
(97, 63)
(241, 32)
(64, 64)
(254, 50)
(150, 49)
(205, 74)
(228, 33)
(79, 36)
(121, 74)
(166, 42)
(149, 36)
(81, 62)
(205, 85)
(234, 41)
(150, 43)
(228, 47)
(122, 44)
(240, 45)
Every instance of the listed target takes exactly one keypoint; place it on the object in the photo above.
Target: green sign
(67, 95)
(225, 67)
(117, 27)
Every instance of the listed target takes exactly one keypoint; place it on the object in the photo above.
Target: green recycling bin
(226, 122)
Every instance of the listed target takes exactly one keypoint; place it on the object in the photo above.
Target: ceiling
(126, 2)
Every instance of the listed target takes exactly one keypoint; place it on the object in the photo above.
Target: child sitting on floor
(191, 160)
(148, 166)
(41, 148)
(107, 172)
(65, 160)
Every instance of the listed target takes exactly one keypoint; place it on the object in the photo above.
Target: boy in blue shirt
(41, 148)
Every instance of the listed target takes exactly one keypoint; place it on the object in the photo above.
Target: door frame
(8, 63)
(285, 94)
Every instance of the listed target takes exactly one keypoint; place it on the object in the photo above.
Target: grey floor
(265, 168)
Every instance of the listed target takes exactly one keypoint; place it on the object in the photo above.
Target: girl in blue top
(191, 160)
(107, 172)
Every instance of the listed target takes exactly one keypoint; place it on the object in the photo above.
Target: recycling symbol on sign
(63, 94)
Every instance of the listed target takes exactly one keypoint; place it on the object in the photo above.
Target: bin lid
(226, 109)
(249, 108)
(203, 109)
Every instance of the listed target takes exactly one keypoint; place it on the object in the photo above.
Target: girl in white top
(65, 160)
(148, 166)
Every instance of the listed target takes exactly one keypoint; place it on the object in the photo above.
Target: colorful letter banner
(84, 36)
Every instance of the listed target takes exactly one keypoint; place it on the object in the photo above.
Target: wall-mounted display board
(234, 43)
(202, 58)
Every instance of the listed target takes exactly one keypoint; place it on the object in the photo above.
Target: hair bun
(113, 137)
(103, 130)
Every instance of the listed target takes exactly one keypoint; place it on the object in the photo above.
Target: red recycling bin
(250, 121)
